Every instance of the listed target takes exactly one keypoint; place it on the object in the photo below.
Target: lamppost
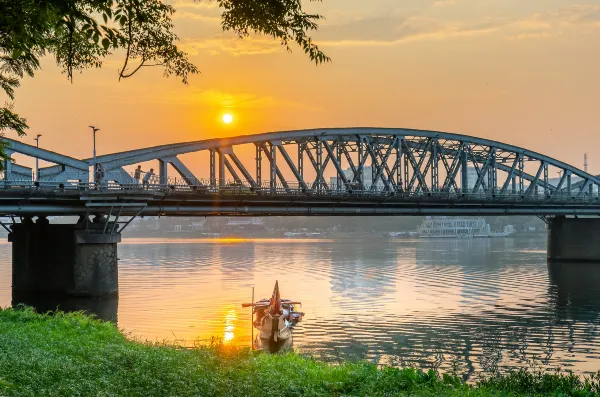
(94, 129)
(37, 164)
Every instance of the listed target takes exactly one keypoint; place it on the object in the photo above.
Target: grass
(75, 355)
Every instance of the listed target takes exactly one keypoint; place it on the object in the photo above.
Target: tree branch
(121, 73)
(134, 71)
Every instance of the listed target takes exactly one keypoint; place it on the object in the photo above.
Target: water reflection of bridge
(358, 269)
(574, 291)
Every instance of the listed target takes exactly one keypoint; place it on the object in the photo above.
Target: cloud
(241, 100)
(576, 18)
(377, 32)
(444, 3)
(183, 14)
(418, 28)
(382, 32)
(198, 5)
(232, 45)
(438, 35)
(197, 10)
(392, 30)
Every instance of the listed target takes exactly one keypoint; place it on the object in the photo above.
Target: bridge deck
(185, 201)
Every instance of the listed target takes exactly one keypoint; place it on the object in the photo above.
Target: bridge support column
(64, 260)
(163, 175)
(574, 239)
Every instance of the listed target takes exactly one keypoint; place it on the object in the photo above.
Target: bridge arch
(399, 160)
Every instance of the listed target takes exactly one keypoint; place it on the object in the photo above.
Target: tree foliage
(80, 34)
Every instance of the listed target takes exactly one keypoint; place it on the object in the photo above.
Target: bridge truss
(356, 171)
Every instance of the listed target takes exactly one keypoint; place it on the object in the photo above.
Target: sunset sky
(522, 72)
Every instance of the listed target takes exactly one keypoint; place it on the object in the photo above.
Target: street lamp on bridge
(94, 129)
(37, 164)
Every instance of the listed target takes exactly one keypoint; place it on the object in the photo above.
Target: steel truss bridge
(378, 171)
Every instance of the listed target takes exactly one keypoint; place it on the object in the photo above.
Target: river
(462, 305)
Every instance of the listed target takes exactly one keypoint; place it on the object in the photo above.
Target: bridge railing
(125, 182)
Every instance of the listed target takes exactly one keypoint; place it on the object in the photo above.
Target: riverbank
(73, 354)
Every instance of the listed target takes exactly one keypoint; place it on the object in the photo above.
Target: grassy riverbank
(74, 355)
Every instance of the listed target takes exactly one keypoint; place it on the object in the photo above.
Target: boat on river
(274, 319)
(303, 234)
(445, 227)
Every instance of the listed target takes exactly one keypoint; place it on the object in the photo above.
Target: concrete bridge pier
(65, 260)
(574, 239)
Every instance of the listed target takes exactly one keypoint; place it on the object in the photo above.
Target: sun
(227, 118)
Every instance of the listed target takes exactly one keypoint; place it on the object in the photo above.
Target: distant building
(471, 178)
(367, 178)
(243, 221)
(196, 226)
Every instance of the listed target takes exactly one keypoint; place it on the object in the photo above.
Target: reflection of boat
(293, 234)
(444, 227)
(397, 234)
(274, 318)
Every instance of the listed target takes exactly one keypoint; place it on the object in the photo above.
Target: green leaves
(12, 121)
(148, 30)
(284, 20)
(16, 53)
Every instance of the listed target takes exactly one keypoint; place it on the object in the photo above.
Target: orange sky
(526, 73)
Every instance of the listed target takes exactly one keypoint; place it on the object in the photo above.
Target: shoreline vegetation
(71, 354)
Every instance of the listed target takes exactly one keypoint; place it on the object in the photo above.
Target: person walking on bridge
(147, 177)
(99, 175)
(137, 175)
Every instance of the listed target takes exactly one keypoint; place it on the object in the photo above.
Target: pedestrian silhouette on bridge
(138, 174)
(147, 177)
(99, 175)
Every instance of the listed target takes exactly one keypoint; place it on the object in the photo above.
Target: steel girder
(67, 167)
(360, 159)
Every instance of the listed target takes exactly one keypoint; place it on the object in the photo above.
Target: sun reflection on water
(228, 331)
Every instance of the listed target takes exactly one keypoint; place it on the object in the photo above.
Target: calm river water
(471, 305)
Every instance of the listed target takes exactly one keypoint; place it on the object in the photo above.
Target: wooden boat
(274, 319)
